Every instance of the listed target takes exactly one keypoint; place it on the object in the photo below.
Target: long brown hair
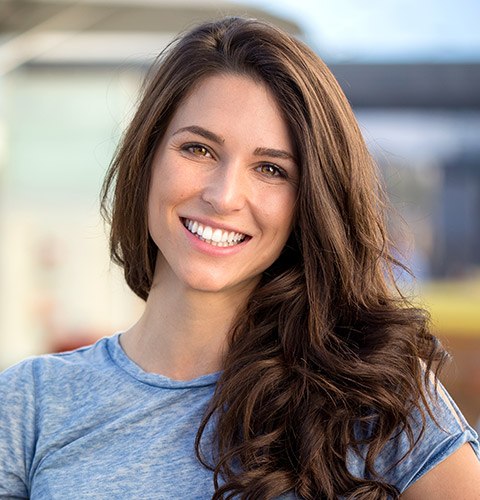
(326, 343)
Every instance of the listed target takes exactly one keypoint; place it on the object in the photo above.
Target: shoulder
(40, 386)
(40, 395)
(29, 391)
(403, 462)
(458, 476)
(25, 381)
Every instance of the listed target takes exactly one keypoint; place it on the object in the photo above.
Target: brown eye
(198, 150)
(271, 170)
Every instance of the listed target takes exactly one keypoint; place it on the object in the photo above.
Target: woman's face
(223, 187)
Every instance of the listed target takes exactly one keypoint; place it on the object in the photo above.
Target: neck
(182, 333)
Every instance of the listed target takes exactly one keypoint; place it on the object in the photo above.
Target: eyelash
(279, 172)
(191, 147)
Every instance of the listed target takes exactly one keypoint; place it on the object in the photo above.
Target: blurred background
(69, 76)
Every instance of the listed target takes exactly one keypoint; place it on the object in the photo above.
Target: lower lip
(205, 247)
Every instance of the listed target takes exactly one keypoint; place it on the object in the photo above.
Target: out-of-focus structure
(103, 31)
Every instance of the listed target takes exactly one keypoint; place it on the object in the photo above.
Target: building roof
(104, 30)
(421, 85)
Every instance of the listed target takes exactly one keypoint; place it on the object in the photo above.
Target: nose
(226, 188)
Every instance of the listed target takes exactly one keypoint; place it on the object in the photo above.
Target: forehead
(231, 105)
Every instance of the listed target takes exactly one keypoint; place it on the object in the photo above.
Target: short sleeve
(17, 429)
(439, 440)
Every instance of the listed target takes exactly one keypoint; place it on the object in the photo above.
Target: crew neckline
(120, 358)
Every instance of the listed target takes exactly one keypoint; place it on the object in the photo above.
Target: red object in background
(68, 341)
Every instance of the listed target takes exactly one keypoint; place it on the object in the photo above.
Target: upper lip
(214, 224)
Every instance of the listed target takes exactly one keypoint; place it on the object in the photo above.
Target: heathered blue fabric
(92, 424)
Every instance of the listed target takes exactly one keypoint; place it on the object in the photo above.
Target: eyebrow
(271, 152)
(195, 129)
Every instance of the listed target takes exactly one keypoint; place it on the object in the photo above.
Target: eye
(197, 150)
(271, 170)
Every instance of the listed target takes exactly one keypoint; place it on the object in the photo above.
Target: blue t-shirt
(92, 424)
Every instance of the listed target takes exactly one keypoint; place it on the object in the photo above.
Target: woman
(275, 357)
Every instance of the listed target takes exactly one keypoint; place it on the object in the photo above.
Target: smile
(213, 236)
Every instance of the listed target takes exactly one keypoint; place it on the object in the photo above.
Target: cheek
(165, 189)
(279, 212)
(157, 208)
(176, 185)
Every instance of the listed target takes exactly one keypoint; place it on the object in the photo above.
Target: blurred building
(423, 120)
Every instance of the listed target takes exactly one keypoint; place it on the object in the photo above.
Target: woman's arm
(456, 478)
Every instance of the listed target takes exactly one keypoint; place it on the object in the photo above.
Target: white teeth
(207, 233)
(216, 237)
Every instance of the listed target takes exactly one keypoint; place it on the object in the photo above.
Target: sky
(387, 30)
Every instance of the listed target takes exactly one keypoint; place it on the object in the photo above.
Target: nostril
(226, 189)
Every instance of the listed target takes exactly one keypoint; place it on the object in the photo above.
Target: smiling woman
(274, 358)
(219, 174)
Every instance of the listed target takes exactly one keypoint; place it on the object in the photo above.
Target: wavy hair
(326, 343)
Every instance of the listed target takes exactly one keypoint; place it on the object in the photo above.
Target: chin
(207, 285)
(216, 284)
